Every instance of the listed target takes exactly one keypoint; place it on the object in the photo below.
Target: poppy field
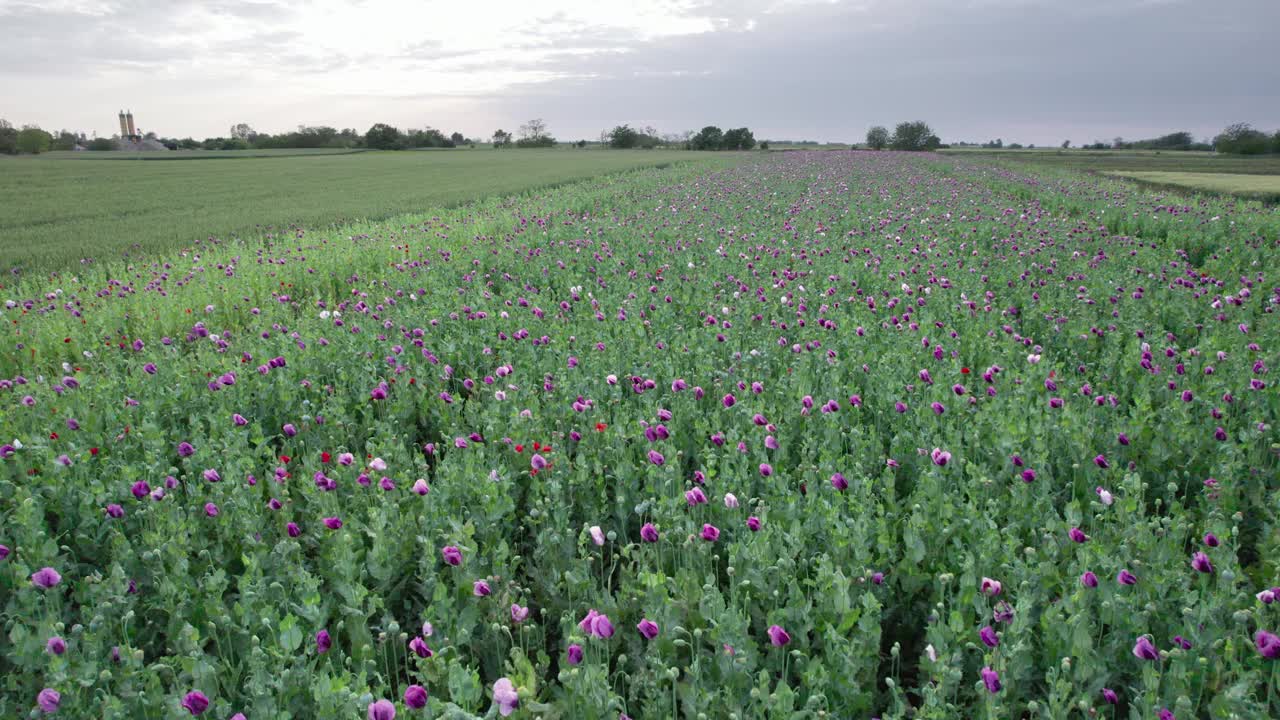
(815, 435)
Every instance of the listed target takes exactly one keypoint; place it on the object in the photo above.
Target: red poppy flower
(324, 457)
(93, 452)
(519, 448)
(536, 447)
(964, 371)
(600, 427)
(53, 436)
(285, 459)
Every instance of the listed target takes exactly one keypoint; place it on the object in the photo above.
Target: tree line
(914, 136)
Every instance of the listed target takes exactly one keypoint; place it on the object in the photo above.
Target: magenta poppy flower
(4, 551)
(839, 483)
(55, 646)
(940, 457)
(289, 430)
(480, 588)
(537, 462)
(1077, 535)
(1144, 650)
(1101, 461)
(323, 642)
(452, 555)
(333, 523)
(991, 679)
(990, 587)
(647, 628)
(420, 647)
(195, 702)
(1124, 577)
(1267, 644)
(238, 420)
(777, 636)
(45, 578)
(649, 533)
(1200, 562)
(753, 523)
(1089, 580)
(293, 529)
(988, 636)
(48, 700)
(415, 696)
(505, 697)
(1211, 540)
(185, 449)
(710, 532)
(382, 710)
(729, 400)
(1110, 696)
(766, 469)
(212, 475)
(656, 458)
(519, 614)
(574, 654)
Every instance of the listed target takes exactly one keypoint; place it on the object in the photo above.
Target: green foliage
(101, 144)
(738, 139)
(878, 137)
(708, 138)
(501, 138)
(1242, 139)
(33, 140)
(383, 137)
(914, 137)
(534, 134)
(8, 138)
(623, 137)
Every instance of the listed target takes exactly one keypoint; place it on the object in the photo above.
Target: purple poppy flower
(185, 449)
(420, 647)
(480, 588)
(1182, 642)
(647, 628)
(1101, 461)
(990, 587)
(574, 654)
(1211, 540)
(1089, 580)
(195, 702)
(991, 679)
(1267, 644)
(899, 407)
(1077, 535)
(877, 578)
(293, 529)
(1167, 714)
(753, 523)
(4, 551)
(766, 469)
(1200, 562)
(55, 646)
(323, 642)
(333, 523)
(415, 696)
(656, 458)
(710, 532)
(115, 511)
(839, 483)
(45, 578)
(695, 497)
(649, 533)
(519, 614)
(1124, 577)
(601, 627)
(238, 420)
(48, 700)
(777, 636)
(212, 475)
(988, 636)
(505, 696)
(940, 457)
(382, 710)
(452, 555)
(289, 430)
(729, 400)
(938, 408)
(1144, 650)
(1110, 696)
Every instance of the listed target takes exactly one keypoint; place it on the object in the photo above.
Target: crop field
(791, 435)
(1125, 161)
(1263, 187)
(59, 211)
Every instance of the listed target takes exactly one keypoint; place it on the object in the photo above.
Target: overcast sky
(1031, 71)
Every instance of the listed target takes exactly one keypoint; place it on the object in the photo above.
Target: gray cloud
(1025, 70)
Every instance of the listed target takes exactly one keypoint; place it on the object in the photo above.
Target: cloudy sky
(1032, 71)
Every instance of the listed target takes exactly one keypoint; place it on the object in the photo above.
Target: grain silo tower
(124, 126)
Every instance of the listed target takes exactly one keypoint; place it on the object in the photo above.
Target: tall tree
(914, 136)
(708, 138)
(501, 138)
(382, 137)
(878, 137)
(32, 139)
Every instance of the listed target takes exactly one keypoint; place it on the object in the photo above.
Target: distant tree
(1275, 142)
(1241, 139)
(103, 144)
(458, 138)
(878, 137)
(64, 140)
(32, 139)
(738, 139)
(623, 137)
(708, 138)
(242, 131)
(501, 138)
(581, 144)
(186, 144)
(534, 134)
(382, 137)
(764, 145)
(912, 136)
(1066, 144)
(8, 138)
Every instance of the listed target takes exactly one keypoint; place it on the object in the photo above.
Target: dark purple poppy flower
(1089, 580)
(710, 532)
(195, 702)
(991, 679)
(480, 588)
(990, 587)
(988, 636)
(55, 646)
(729, 400)
(185, 449)
(1182, 642)
(1144, 650)
(1123, 439)
(293, 530)
(1077, 535)
(1200, 562)
(574, 654)
(1101, 461)
(420, 648)
(753, 523)
(877, 578)
(656, 458)
(415, 696)
(212, 475)
(48, 700)
(323, 642)
(1110, 696)
(1167, 714)
(649, 533)
(940, 457)
(4, 551)
(115, 511)
(333, 523)
(1267, 644)
(777, 636)
(452, 555)
(1124, 577)
(647, 628)
(1211, 540)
